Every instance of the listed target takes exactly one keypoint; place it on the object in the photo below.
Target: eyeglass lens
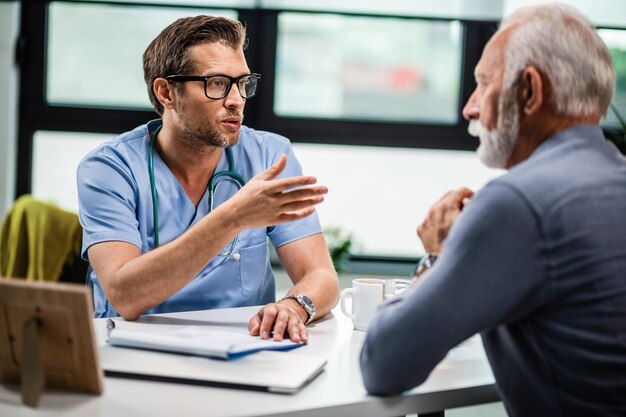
(218, 86)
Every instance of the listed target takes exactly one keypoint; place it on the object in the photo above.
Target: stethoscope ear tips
(236, 256)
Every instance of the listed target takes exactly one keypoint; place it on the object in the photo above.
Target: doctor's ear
(531, 90)
(164, 92)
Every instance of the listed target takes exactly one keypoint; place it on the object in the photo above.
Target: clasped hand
(434, 229)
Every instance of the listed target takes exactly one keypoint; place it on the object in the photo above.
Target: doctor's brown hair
(168, 54)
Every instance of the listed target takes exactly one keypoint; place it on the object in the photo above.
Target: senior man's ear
(532, 90)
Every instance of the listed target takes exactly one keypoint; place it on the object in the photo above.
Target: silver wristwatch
(424, 264)
(306, 303)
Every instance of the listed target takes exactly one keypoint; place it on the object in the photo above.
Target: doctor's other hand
(267, 201)
(434, 229)
(280, 319)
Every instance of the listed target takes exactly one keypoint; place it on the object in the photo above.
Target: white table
(463, 378)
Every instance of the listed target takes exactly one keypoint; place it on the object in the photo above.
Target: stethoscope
(229, 175)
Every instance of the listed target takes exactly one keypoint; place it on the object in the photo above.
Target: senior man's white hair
(562, 44)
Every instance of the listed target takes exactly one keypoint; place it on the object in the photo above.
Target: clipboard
(268, 371)
(195, 340)
(277, 371)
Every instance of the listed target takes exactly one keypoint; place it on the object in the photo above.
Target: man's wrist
(296, 307)
(228, 218)
(305, 304)
(424, 264)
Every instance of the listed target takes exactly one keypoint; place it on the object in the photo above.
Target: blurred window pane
(483, 10)
(244, 4)
(367, 68)
(616, 41)
(386, 192)
(55, 158)
(95, 51)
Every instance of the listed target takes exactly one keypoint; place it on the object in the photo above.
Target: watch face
(306, 303)
(306, 300)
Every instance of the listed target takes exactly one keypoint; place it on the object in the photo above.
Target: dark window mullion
(373, 133)
(257, 52)
(82, 119)
(476, 36)
(32, 86)
(263, 41)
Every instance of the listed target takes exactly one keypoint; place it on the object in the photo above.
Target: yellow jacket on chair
(37, 239)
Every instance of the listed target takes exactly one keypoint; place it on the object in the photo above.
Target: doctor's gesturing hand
(434, 229)
(266, 201)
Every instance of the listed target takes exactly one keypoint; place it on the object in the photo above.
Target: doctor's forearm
(140, 282)
(308, 264)
(322, 287)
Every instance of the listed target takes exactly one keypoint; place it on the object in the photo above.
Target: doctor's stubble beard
(200, 134)
(496, 146)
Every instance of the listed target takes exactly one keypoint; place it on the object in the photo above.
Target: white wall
(9, 23)
(56, 156)
(380, 195)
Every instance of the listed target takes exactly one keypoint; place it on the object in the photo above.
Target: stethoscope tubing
(230, 175)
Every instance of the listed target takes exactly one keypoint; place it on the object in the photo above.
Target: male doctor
(177, 213)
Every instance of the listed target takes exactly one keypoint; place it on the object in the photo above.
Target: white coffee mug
(366, 295)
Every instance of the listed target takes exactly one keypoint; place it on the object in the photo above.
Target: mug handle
(344, 295)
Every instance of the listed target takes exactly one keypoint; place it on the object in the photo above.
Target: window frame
(36, 114)
(262, 25)
(372, 133)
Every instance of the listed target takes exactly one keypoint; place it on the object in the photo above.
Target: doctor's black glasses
(216, 87)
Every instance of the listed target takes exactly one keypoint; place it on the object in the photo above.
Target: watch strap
(306, 304)
(424, 264)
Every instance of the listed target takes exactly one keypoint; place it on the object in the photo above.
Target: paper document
(196, 340)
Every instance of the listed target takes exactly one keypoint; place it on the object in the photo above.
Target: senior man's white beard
(496, 146)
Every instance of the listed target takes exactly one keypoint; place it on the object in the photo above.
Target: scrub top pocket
(254, 264)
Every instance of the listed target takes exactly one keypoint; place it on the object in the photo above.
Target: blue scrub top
(115, 204)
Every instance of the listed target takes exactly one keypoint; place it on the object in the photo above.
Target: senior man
(535, 261)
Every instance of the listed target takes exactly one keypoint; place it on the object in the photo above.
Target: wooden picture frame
(47, 338)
